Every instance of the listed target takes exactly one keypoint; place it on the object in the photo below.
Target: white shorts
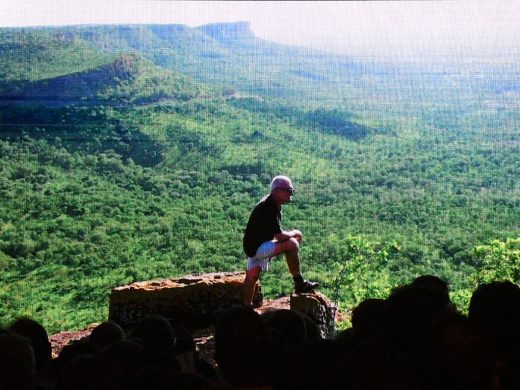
(263, 255)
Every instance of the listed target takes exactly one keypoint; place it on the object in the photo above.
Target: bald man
(264, 239)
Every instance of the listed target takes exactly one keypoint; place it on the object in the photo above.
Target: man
(264, 239)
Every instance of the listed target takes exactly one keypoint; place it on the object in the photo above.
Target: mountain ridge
(223, 54)
(80, 85)
(230, 33)
(103, 83)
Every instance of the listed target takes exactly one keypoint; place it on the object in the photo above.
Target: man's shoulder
(264, 204)
(266, 200)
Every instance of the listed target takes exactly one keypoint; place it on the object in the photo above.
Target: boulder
(319, 308)
(192, 301)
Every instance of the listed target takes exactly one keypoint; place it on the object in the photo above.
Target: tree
(499, 260)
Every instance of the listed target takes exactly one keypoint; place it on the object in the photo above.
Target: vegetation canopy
(130, 153)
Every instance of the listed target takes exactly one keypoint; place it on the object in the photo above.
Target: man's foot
(305, 287)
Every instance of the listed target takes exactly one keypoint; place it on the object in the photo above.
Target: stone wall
(191, 301)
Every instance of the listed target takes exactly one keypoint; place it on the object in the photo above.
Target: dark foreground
(414, 339)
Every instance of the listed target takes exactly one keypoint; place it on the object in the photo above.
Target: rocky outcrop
(229, 33)
(319, 308)
(192, 301)
(195, 301)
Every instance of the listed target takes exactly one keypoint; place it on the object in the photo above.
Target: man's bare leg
(292, 255)
(291, 249)
(248, 288)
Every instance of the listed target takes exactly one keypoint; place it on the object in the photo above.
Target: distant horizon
(377, 30)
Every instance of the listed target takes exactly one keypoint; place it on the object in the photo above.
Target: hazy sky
(406, 29)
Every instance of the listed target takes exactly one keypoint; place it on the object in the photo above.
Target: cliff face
(229, 33)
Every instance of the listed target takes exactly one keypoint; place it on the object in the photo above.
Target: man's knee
(295, 242)
(291, 245)
(253, 273)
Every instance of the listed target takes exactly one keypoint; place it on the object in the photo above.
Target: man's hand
(296, 234)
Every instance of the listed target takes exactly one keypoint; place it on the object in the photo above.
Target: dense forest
(137, 152)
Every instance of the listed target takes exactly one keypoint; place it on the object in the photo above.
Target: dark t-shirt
(263, 224)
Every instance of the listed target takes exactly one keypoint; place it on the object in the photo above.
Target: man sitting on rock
(264, 239)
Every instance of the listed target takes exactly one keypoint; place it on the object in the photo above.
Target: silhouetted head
(39, 339)
(243, 348)
(159, 339)
(17, 363)
(453, 354)
(366, 317)
(483, 302)
(409, 310)
(155, 330)
(434, 284)
(106, 333)
(125, 358)
(290, 324)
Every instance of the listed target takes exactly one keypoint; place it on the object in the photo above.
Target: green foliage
(333, 121)
(498, 260)
(154, 175)
(31, 54)
(359, 269)
(127, 79)
(151, 84)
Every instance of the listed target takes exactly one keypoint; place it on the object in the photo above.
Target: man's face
(285, 192)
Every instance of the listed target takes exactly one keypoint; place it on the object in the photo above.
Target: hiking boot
(305, 287)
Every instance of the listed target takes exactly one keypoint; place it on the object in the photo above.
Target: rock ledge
(192, 301)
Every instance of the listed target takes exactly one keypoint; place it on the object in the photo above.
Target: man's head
(282, 189)
(244, 348)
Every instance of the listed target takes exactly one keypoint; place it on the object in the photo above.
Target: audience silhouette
(414, 339)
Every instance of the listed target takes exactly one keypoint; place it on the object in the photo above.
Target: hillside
(28, 54)
(126, 79)
(146, 172)
(228, 55)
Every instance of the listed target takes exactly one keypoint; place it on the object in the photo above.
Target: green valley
(137, 152)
